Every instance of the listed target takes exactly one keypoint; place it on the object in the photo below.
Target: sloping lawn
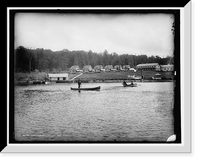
(97, 76)
(124, 75)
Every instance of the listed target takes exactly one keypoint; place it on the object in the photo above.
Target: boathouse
(58, 77)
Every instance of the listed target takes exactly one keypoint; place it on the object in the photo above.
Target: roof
(58, 75)
(148, 64)
(126, 65)
(86, 67)
(167, 66)
(117, 66)
(98, 67)
(132, 69)
(108, 67)
(75, 67)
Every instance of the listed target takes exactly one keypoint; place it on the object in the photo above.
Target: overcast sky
(148, 34)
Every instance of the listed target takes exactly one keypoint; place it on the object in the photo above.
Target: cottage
(98, 68)
(57, 77)
(87, 68)
(118, 67)
(74, 69)
(108, 68)
(126, 67)
(148, 66)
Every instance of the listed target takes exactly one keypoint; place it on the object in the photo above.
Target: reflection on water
(115, 113)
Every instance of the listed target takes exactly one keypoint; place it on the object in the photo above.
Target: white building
(155, 66)
(148, 66)
(57, 77)
(167, 67)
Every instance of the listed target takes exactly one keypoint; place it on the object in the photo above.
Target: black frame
(177, 94)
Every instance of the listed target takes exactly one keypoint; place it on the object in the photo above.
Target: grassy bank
(125, 75)
(96, 77)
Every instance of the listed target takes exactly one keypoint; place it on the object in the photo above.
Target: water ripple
(115, 113)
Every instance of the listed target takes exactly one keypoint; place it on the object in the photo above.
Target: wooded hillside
(27, 60)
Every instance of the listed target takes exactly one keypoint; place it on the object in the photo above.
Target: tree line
(27, 60)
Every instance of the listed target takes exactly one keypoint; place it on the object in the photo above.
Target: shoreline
(110, 77)
(89, 81)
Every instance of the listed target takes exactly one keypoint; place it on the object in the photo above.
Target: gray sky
(148, 34)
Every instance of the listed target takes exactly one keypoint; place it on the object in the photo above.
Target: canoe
(86, 89)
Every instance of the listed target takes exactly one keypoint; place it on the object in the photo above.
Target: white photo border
(186, 110)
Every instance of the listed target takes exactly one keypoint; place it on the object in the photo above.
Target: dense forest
(27, 60)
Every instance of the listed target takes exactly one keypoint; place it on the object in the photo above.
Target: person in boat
(79, 83)
(124, 82)
(131, 82)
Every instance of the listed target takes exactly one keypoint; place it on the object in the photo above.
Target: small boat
(38, 82)
(87, 89)
(130, 85)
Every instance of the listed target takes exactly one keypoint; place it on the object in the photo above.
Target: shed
(157, 76)
(60, 76)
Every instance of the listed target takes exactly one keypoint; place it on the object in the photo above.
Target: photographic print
(95, 76)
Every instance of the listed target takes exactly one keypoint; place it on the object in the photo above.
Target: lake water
(115, 113)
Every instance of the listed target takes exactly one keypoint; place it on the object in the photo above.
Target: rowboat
(130, 85)
(38, 82)
(87, 89)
